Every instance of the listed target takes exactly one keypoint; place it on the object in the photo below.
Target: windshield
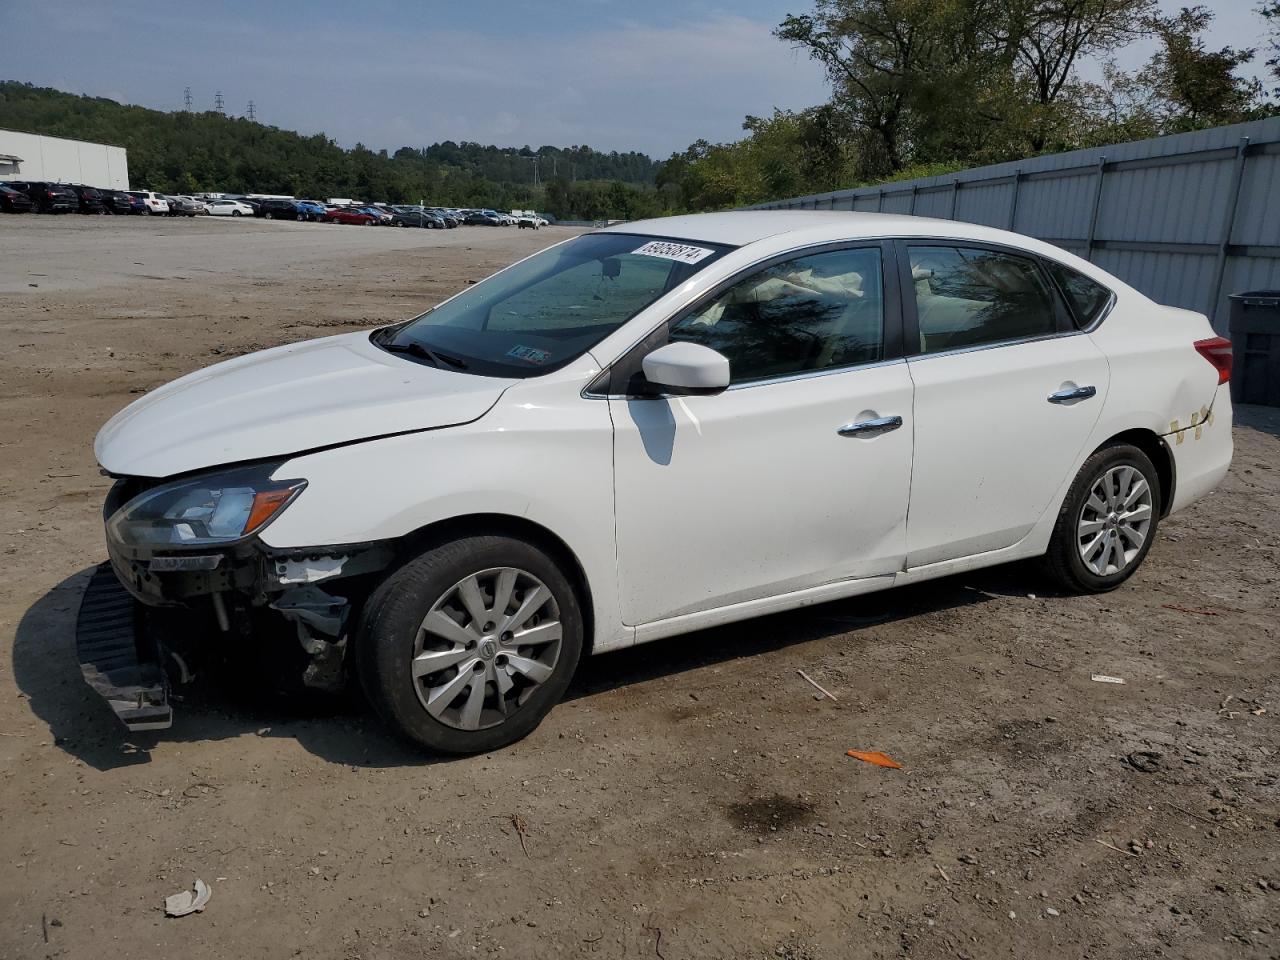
(548, 310)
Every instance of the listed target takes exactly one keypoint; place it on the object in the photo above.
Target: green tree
(1270, 12)
(1199, 87)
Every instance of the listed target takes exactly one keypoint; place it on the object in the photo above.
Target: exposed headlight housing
(211, 510)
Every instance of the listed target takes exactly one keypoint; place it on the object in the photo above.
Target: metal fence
(1187, 219)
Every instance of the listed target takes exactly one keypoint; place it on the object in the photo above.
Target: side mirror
(687, 368)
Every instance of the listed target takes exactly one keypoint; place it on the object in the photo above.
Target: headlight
(214, 509)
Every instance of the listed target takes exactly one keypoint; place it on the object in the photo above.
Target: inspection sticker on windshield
(673, 251)
(529, 354)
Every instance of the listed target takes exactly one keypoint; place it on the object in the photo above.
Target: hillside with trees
(184, 152)
(917, 88)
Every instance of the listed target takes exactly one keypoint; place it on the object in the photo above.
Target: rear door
(1007, 392)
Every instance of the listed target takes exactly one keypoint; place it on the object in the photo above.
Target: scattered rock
(1144, 761)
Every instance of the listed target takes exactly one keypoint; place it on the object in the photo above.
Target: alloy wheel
(485, 647)
(1114, 520)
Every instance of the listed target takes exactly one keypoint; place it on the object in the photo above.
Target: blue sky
(614, 74)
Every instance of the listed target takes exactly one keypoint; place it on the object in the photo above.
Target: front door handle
(1074, 393)
(870, 428)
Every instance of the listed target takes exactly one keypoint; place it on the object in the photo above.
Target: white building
(27, 156)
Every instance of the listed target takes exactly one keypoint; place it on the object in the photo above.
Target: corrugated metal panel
(1187, 219)
(934, 203)
(1259, 209)
(987, 204)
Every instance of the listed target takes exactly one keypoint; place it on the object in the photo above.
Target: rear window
(1087, 298)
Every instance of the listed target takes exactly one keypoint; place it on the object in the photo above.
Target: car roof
(810, 227)
(740, 227)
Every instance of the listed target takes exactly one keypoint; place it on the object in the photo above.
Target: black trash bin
(1255, 345)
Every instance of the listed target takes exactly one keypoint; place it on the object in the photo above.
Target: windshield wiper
(434, 357)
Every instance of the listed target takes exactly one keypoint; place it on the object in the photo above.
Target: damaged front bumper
(245, 590)
(116, 659)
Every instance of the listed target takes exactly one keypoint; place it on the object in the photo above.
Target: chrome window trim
(1103, 313)
(1060, 335)
(811, 374)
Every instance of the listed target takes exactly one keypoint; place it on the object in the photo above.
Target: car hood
(285, 400)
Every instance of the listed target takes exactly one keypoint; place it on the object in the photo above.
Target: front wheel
(1107, 522)
(235, 213)
(467, 647)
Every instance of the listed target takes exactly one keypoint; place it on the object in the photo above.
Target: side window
(1087, 298)
(812, 313)
(968, 296)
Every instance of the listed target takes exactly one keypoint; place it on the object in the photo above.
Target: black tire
(389, 624)
(235, 213)
(1063, 562)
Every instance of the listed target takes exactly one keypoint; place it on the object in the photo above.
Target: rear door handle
(870, 428)
(1074, 393)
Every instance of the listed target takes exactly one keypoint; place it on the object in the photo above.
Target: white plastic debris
(1103, 678)
(188, 901)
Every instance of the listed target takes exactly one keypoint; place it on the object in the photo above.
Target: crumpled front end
(157, 610)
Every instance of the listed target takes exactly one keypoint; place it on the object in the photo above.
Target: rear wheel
(467, 647)
(1108, 521)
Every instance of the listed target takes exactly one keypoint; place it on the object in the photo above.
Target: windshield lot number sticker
(673, 251)
(529, 354)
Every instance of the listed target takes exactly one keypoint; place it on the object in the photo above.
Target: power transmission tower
(217, 101)
(250, 112)
(186, 98)
(535, 168)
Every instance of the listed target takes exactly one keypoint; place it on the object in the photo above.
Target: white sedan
(228, 208)
(651, 429)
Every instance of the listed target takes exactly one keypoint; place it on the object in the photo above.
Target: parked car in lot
(48, 197)
(14, 201)
(646, 430)
(228, 208)
(380, 216)
(89, 199)
(310, 209)
(479, 219)
(410, 217)
(116, 201)
(181, 206)
(451, 218)
(349, 215)
(152, 202)
(276, 209)
(530, 221)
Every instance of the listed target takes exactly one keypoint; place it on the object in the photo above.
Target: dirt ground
(691, 798)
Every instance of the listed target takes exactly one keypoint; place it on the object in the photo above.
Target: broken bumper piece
(115, 658)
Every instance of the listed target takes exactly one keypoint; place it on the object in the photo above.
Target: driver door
(795, 476)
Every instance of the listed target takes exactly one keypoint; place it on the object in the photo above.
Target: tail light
(1217, 350)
